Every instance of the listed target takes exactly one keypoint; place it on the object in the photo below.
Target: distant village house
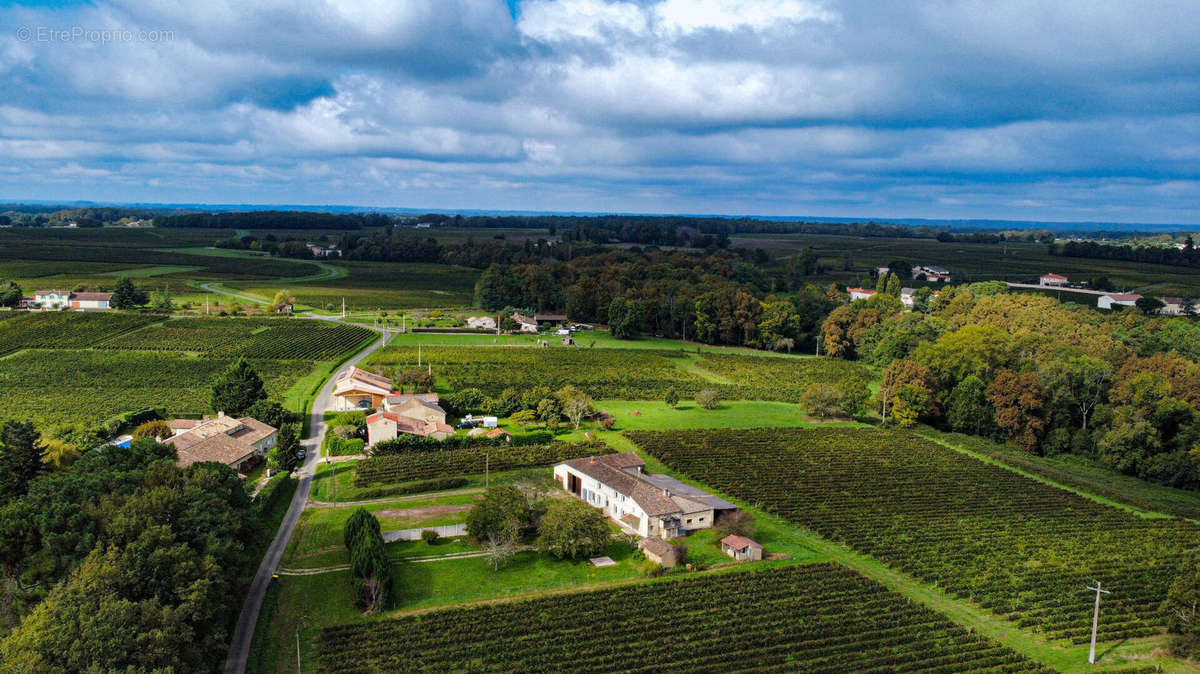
(1053, 280)
(525, 323)
(860, 294)
(1111, 300)
(65, 299)
(931, 273)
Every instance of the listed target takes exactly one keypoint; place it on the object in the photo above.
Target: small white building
(1053, 280)
(906, 297)
(1111, 300)
(860, 294)
(481, 323)
(648, 505)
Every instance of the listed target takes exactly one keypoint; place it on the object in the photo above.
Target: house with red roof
(1053, 280)
(741, 548)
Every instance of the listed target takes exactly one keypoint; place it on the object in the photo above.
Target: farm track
(243, 633)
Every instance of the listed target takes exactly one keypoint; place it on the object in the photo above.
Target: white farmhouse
(526, 323)
(65, 299)
(906, 297)
(1053, 280)
(648, 505)
(860, 294)
(1111, 300)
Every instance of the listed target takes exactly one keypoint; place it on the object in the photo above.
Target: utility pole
(1095, 622)
(343, 307)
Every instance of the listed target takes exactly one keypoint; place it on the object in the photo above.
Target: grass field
(655, 415)
(980, 533)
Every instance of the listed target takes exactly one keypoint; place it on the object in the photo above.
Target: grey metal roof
(688, 491)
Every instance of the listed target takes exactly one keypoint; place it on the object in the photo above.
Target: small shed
(659, 551)
(741, 548)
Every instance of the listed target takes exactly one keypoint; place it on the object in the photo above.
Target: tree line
(1188, 256)
(1122, 389)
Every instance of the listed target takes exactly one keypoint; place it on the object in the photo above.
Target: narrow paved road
(243, 633)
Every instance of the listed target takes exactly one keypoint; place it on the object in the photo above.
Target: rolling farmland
(1017, 547)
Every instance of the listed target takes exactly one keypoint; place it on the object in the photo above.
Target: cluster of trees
(368, 562)
(508, 516)
(539, 405)
(1122, 389)
(10, 294)
(122, 562)
(723, 297)
(1188, 256)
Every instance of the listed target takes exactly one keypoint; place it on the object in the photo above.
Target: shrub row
(418, 487)
(406, 444)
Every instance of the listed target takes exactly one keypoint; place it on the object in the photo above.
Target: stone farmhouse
(415, 414)
(643, 504)
(360, 390)
(237, 443)
(525, 323)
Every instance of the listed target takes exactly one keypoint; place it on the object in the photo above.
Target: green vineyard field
(65, 329)
(86, 387)
(1018, 547)
(426, 465)
(820, 618)
(273, 338)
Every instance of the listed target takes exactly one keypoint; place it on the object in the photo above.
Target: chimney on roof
(667, 493)
(220, 414)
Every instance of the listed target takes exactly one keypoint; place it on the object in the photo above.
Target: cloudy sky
(1056, 110)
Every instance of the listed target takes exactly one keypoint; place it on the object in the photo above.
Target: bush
(708, 398)
(153, 429)
(572, 529)
(822, 401)
(336, 446)
(429, 536)
(738, 522)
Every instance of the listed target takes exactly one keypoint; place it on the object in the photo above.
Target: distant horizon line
(973, 223)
